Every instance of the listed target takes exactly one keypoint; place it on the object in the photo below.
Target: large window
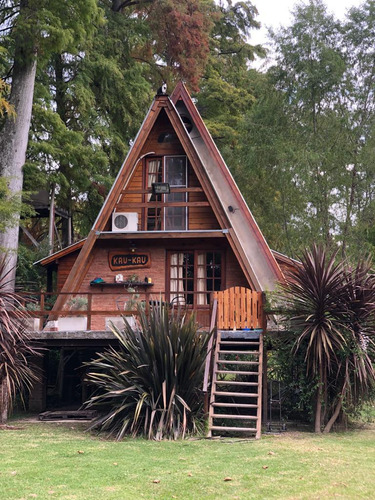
(193, 276)
(154, 213)
(176, 175)
(173, 170)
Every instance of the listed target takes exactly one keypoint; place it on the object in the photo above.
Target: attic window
(167, 137)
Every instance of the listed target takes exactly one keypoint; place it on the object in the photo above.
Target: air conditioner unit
(123, 222)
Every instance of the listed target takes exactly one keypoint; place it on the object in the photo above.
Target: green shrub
(150, 385)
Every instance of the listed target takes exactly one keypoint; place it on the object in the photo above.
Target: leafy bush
(150, 385)
(298, 387)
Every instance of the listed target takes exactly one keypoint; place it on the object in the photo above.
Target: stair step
(234, 405)
(231, 382)
(239, 394)
(236, 372)
(246, 355)
(239, 429)
(235, 417)
(238, 352)
(255, 354)
(221, 361)
(237, 342)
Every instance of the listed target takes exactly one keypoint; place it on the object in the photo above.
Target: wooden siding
(65, 264)
(135, 184)
(132, 199)
(162, 125)
(200, 218)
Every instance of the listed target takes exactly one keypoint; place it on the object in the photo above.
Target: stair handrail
(207, 368)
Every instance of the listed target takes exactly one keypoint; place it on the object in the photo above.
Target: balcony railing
(238, 308)
(99, 308)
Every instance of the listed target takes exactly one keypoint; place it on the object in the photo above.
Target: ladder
(236, 387)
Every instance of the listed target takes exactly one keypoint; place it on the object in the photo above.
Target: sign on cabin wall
(118, 260)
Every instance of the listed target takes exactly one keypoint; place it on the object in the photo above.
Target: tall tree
(95, 99)
(267, 170)
(227, 88)
(359, 43)
(31, 29)
(307, 142)
(309, 71)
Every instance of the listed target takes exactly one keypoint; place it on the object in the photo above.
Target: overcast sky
(275, 13)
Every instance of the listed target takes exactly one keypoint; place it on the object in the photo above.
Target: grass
(52, 460)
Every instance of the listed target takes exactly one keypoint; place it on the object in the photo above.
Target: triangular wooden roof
(243, 234)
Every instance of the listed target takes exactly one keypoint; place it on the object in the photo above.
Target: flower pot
(72, 323)
(118, 322)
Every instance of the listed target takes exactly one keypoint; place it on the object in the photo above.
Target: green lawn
(51, 460)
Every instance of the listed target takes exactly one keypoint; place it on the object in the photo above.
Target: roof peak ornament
(162, 90)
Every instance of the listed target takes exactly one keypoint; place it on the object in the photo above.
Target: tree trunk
(63, 110)
(13, 144)
(318, 407)
(337, 411)
(4, 402)
(333, 419)
(349, 210)
(318, 410)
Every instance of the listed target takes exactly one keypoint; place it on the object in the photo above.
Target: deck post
(265, 384)
(41, 308)
(209, 357)
(89, 309)
(265, 364)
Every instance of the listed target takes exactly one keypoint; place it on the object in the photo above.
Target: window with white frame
(193, 275)
(174, 171)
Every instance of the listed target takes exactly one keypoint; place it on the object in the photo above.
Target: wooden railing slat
(238, 308)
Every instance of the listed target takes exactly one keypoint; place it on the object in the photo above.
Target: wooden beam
(172, 190)
(150, 235)
(76, 275)
(160, 204)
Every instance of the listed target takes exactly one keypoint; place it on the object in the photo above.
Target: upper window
(154, 174)
(175, 173)
(169, 211)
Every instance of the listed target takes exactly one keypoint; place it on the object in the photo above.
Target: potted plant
(32, 322)
(132, 278)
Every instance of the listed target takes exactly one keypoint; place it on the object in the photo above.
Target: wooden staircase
(236, 385)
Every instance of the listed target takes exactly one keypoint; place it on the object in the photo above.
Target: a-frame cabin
(174, 228)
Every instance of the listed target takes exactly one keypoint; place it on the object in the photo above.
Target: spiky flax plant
(150, 384)
(16, 374)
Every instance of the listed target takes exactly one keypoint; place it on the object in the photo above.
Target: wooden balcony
(238, 308)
